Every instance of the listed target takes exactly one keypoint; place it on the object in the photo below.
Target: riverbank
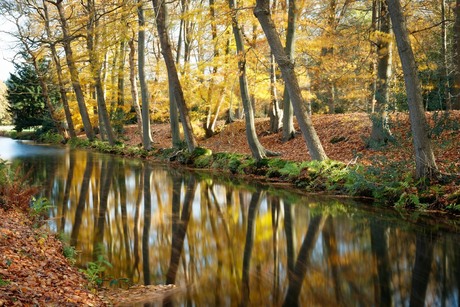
(35, 272)
(384, 173)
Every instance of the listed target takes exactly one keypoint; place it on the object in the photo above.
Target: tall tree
(73, 70)
(381, 133)
(93, 43)
(262, 12)
(59, 73)
(424, 157)
(456, 55)
(146, 129)
(173, 77)
(288, 122)
(257, 150)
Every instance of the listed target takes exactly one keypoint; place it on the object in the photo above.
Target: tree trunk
(456, 56)
(133, 83)
(275, 113)
(262, 12)
(160, 12)
(424, 156)
(288, 116)
(74, 75)
(92, 43)
(146, 129)
(257, 150)
(381, 133)
(57, 63)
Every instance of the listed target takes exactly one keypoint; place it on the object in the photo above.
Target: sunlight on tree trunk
(173, 78)
(424, 156)
(262, 12)
(146, 129)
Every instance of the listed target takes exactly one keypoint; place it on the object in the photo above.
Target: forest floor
(343, 137)
(33, 270)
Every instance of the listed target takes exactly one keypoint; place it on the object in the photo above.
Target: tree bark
(74, 75)
(380, 133)
(456, 56)
(92, 43)
(288, 115)
(262, 12)
(160, 12)
(424, 156)
(146, 129)
(133, 83)
(57, 63)
(257, 150)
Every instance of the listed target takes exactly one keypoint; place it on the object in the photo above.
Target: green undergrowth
(386, 182)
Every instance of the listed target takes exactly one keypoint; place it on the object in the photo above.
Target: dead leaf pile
(33, 270)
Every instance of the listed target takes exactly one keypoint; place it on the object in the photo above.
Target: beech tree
(146, 129)
(257, 150)
(424, 157)
(381, 133)
(173, 77)
(73, 70)
(315, 148)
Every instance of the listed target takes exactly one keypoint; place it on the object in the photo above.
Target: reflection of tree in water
(382, 280)
(303, 260)
(68, 186)
(422, 269)
(106, 182)
(81, 200)
(147, 221)
(248, 246)
(180, 224)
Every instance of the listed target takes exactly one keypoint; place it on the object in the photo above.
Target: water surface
(226, 243)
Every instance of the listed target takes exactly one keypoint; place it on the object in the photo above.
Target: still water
(224, 242)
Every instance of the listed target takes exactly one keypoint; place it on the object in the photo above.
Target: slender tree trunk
(257, 150)
(424, 156)
(262, 12)
(381, 133)
(146, 129)
(74, 75)
(275, 112)
(92, 42)
(288, 114)
(160, 12)
(57, 63)
(133, 84)
(456, 58)
(445, 61)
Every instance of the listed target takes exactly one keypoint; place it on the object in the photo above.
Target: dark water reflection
(225, 243)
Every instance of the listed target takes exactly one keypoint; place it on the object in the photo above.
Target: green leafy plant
(4, 283)
(94, 271)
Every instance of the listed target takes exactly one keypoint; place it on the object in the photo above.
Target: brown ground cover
(342, 135)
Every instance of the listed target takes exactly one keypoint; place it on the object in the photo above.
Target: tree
(57, 63)
(27, 105)
(73, 70)
(257, 150)
(424, 157)
(381, 133)
(456, 55)
(288, 121)
(146, 129)
(262, 12)
(93, 43)
(173, 77)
